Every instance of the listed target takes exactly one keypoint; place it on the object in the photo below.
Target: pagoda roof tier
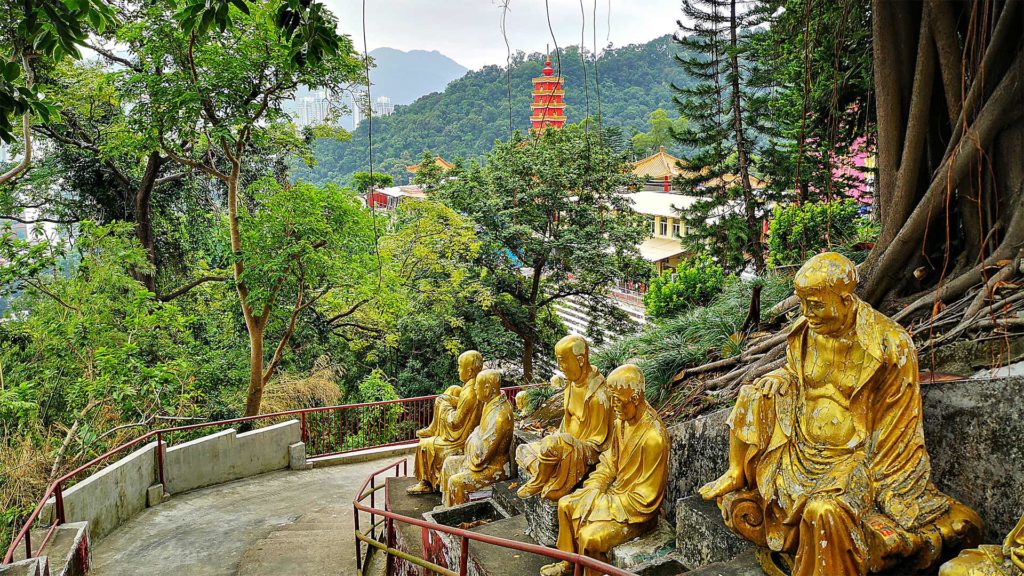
(540, 79)
(547, 105)
(559, 92)
(548, 118)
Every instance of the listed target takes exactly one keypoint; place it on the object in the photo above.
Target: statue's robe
(816, 500)
(620, 499)
(574, 449)
(486, 458)
(453, 429)
(1005, 560)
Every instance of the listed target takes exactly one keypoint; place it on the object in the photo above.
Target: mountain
(405, 76)
(473, 111)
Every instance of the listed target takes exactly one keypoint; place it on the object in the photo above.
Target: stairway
(311, 546)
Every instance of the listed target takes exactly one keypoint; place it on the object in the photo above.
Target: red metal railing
(326, 431)
(384, 541)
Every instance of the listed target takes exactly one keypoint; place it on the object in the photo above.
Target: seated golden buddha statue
(486, 458)
(1005, 560)
(827, 459)
(451, 426)
(621, 498)
(443, 405)
(557, 462)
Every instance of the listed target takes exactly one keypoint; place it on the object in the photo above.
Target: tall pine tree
(722, 137)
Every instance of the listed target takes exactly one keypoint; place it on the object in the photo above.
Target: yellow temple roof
(658, 165)
(437, 160)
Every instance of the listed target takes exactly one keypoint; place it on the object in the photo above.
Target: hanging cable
(586, 83)
(597, 75)
(369, 140)
(508, 62)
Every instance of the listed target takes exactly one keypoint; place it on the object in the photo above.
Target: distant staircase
(308, 546)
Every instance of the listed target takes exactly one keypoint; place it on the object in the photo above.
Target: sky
(469, 31)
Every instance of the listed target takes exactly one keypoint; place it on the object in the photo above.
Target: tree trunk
(144, 215)
(945, 190)
(255, 394)
(529, 346)
(753, 224)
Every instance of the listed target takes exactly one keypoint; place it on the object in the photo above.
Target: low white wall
(227, 456)
(111, 496)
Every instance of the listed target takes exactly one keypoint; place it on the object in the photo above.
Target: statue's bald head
(471, 363)
(488, 383)
(827, 271)
(825, 286)
(573, 356)
(627, 387)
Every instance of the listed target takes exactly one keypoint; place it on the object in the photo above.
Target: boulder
(541, 519)
(643, 550)
(701, 535)
(700, 453)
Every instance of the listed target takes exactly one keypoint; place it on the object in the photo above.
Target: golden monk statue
(1007, 560)
(486, 460)
(620, 499)
(451, 426)
(443, 405)
(557, 462)
(826, 455)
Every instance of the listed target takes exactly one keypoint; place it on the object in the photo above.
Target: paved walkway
(260, 525)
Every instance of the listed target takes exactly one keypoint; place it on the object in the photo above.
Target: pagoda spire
(548, 107)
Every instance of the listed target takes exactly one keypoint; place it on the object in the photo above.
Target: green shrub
(797, 232)
(694, 283)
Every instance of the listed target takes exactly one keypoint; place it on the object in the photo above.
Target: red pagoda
(548, 108)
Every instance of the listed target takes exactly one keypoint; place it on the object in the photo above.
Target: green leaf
(12, 71)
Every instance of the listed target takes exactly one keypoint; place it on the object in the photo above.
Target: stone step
(67, 552)
(701, 535)
(743, 565)
(30, 567)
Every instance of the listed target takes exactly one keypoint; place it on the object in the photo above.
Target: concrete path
(283, 522)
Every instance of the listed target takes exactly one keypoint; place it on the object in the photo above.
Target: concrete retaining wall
(227, 456)
(111, 496)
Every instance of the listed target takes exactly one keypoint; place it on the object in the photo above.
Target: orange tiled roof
(437, 160)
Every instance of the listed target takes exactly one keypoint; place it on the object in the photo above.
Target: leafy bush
(695, 282)
(797, 232)
(688, 338)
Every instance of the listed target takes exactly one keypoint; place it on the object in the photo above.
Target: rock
(701, 535)
(644, 549)
(665, 566)
(973, 431)
(504, 495)
(700, 453)
(745, 565)
(541, 519)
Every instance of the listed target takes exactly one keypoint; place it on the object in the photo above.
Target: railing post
(305, 435)
(58, 497)
(28, 543)
(464, 556)
(160, 459)
(359, 550)
(373, 505)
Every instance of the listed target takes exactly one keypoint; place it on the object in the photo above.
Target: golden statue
(1007, 560)
(826, 455)
(455, 417)
(557, 462)
(620, 499)
(486, 460)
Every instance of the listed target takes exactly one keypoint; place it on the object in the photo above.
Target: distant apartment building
(381, 106)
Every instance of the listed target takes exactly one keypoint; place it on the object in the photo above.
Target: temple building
(444, 164)
(548, 107)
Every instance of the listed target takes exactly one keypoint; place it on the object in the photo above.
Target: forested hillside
(473, 111)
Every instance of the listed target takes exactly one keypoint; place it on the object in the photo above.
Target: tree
(211, 100)
(660, 134)
(553, 225)
(692, 283)
(950, 139)
(721, 135)
(363, 181)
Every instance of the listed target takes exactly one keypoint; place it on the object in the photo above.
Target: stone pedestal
(645, 549)
(701, 535)
(541, 519)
